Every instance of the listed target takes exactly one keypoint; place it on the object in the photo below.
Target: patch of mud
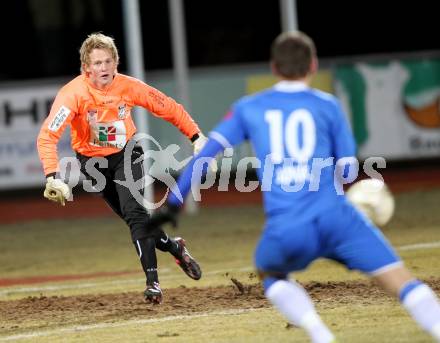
(55, 311)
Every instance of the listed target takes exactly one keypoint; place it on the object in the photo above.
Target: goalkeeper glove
(56, 190)
(198, 144)
(166, 214)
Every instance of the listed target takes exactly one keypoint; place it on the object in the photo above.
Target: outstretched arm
(169, 212)
(210, 150)
(165, 107)
(231, 131)
(59, 118)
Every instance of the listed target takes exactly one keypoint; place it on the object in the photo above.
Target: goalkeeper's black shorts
(120, 197)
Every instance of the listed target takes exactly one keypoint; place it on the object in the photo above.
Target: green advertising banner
(394, 107)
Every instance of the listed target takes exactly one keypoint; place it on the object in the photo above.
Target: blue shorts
(341, 234)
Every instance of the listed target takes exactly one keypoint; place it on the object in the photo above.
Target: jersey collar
(290, 86)
(90, 83)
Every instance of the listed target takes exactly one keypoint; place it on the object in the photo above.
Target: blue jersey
(297, 134)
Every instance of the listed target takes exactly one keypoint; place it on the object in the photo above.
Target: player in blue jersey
(305, 148)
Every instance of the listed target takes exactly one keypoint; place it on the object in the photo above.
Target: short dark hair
(292, 53)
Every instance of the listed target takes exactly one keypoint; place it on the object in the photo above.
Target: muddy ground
(54, 311)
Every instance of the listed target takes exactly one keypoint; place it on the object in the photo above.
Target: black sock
(165, 243)
(146, 249)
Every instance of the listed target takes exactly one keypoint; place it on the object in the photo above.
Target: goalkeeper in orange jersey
(97, 105)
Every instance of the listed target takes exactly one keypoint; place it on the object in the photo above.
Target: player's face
(101, 68)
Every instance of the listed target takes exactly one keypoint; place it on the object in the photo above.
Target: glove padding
(166, 214)
(198, 144)
(56, 190)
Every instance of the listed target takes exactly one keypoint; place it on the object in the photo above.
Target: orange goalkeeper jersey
(100, 120)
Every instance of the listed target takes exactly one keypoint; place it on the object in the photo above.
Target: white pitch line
(112, 282)
(418, 246)
(75, 329)
(154, 320)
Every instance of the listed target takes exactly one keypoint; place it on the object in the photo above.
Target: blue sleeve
(228, 133)
(232, 128)
(210, 150)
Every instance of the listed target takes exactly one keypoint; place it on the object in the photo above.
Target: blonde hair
(97, 41)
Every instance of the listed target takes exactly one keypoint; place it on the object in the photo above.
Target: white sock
(424, 307)
(295, 304)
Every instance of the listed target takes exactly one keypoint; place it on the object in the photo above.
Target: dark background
(41, 38)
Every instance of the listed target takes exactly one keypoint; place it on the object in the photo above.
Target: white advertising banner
(394, 107)
(22, 112)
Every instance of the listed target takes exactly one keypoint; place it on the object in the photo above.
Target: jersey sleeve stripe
(220, 139)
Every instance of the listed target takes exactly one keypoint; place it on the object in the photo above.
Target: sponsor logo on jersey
(59, 118)
(112, 134)
(107, 133)
(121, 111)
(91, 115)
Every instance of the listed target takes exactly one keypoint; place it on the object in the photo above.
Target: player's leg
(278, 254)
(175, 246)
(362, 246)
(136, 217)
(123, 204)
(145, 246)
(392, 279)
(109, 192)
(418, 298)
(110, 195)
(143, 234)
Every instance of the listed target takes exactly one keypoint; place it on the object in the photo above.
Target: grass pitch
(222, 239)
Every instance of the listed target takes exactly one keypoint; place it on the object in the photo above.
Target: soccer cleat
(186, 261)
(153, 293)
